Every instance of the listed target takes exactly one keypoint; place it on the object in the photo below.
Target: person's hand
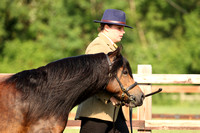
(114, 101)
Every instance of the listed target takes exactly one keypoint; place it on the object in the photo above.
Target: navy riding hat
(113, 16)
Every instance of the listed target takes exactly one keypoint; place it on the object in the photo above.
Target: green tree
(37, 32)
(165, 34)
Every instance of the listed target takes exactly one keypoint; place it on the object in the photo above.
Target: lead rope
(130, 118)
(130, 109)
(114, 119)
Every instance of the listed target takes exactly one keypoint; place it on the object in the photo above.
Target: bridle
(124, 90)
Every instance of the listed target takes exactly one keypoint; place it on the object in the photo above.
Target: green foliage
(167, 37)
(166, 33)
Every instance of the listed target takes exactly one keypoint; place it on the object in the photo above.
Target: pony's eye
(125, 72)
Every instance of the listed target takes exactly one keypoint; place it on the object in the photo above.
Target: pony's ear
(115, 53)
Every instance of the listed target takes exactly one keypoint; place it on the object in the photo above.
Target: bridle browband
(124, 90)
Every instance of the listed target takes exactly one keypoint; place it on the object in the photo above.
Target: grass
(71, 131)
(183, 109)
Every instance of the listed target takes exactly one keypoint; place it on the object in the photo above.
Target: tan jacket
(97, 106)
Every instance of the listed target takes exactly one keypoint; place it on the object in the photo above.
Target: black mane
(56, 88)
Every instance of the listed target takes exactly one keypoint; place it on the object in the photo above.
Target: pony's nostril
(143, 96)
(132, 98)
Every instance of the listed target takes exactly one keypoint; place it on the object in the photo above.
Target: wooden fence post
(145, 111)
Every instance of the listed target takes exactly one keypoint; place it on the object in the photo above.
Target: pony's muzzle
(132, 98)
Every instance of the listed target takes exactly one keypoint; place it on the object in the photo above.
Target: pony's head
(121, 82)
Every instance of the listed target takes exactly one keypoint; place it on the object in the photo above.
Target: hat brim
(96, 21)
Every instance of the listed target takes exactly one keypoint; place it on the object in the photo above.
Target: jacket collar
(108, 41)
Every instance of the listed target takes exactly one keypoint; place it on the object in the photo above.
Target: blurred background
(166, 35)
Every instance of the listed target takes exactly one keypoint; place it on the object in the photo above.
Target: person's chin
(119, 40)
